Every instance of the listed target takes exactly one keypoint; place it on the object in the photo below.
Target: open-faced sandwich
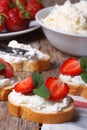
(73, 72)
(7, 79)
(25, 58)
(39, 101)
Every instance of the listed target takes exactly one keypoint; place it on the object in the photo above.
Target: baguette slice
(34, 115)
(31, 65)
(37, 65)
(25, 58)
(76, 89)
(79, 90)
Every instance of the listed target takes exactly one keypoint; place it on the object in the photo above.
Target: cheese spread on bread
(6, 81)
(72, 79)
(20, 52)
(30, 52)
(24, 58)
(18, 76)
(39, 103)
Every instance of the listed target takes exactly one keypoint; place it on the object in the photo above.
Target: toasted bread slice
(78, 89)
(37, 65)
(25, 58)
(34, 115)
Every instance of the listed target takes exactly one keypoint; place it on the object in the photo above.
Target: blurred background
(47, 3)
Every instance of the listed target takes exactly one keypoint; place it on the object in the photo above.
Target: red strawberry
(71, 67)
(33, 6)
(6, 1)
(57, 88)
(4, 6)
(25, 86)
(16, 21)
(8, 71)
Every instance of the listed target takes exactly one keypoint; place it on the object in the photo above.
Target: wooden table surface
(38, 40)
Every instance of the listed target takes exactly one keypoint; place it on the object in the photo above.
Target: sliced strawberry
(57, 88)
(8, 71)
(25, 86)
(71, 67)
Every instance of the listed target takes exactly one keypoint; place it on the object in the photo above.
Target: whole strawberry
(33, 6)
(16, 21)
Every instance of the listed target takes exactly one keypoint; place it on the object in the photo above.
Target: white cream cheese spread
(39, 103)
(69, 17)
(4, 82)
(76, 80)
(7, 82)
(30, 52)
(20, 53)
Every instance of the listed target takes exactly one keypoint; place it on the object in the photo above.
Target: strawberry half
(71, 67)
(25, 86)
(8, 71)
(57, 88)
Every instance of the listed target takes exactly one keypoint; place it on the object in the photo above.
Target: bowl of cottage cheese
(65, 26)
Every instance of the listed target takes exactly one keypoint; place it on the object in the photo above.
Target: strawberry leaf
(2, 66)
(37, 79)
(83, 63)
(42, 91)
(84, 77)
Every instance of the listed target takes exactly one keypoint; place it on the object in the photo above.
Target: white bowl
(74, 44)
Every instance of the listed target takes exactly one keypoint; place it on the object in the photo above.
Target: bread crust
(4, 92)
(37, 65)
(76, 89)
(79, 90)
(18, 67)
(36, 116)
(31, 65)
